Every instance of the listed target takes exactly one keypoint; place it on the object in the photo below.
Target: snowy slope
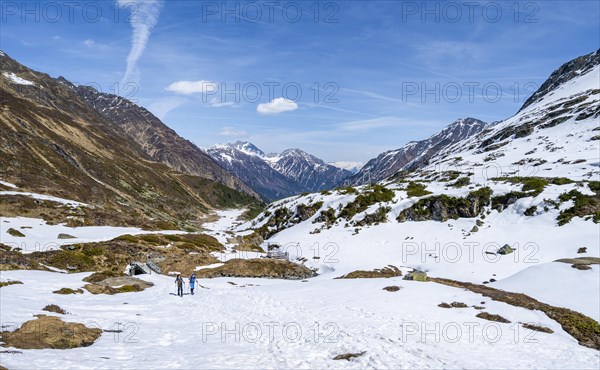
(568, 285)
(443, 249)
(557, 135)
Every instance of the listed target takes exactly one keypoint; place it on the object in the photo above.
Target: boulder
(65, 236)
(416, 276)
(443, 207)
(581, 266)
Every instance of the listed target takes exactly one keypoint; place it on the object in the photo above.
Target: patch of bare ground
(118, 284)
(539, 328)
(10, 282)
(386, 272)
(349, 356)
(54, 308)
(259, 268)
(581, 260)
(50, 332)
(65, 291)
(492, 317)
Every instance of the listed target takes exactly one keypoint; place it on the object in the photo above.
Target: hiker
(192, 282)
(179, 282)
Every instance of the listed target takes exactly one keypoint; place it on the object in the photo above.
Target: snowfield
(286, 324)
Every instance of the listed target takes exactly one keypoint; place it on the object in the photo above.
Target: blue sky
(386, 72)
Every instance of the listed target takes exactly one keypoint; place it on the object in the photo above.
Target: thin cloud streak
(144, 18)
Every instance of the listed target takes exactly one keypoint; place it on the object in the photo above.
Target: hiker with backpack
(192, 282)
(179, 282)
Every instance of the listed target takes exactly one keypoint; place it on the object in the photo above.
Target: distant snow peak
(466, 121)
(247, 148)
(241, 146)
(17, 80)
(353, 167)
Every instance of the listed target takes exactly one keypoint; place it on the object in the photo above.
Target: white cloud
(89, 43)
(365, 125)
(192, 87)
(230, 131)
(375, 95)
(369, 124)
(276, 106)
(143, 19)
(217, 103)
(160, 108)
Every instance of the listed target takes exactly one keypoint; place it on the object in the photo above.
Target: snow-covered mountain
(353, 167)
(307, 170)
(249, 164)
(415, 153)
(568, 71)
(555, 133)
(277, 175)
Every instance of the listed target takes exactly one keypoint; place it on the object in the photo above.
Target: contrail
(143, 18)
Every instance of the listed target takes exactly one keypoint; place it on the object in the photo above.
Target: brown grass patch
(259, 268)
(492, 317)
(349, 356)
(50, 332)
(539, 328)
(386, 272)
(54, 308)
(10, 282)
(65, 291)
